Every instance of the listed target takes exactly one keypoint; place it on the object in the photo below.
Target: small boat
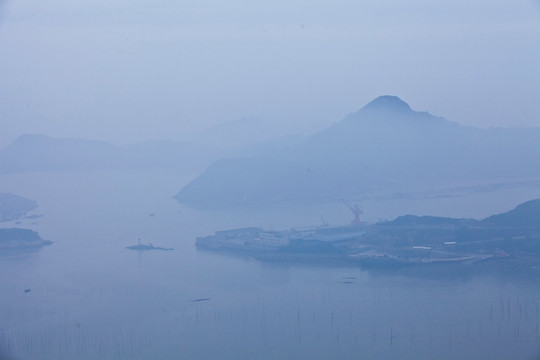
(149, 246)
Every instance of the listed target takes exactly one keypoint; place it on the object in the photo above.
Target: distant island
(407, 240)
(20, 240)
(14, 207)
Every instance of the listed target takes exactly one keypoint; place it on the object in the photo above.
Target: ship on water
(144, 247)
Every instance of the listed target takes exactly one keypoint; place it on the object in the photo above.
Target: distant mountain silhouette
(240, 134)
(42, 153)
(384, 147)
(524, 215)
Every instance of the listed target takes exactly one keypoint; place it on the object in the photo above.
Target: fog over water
(92, 298)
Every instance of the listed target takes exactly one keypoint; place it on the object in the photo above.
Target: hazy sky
(124, 71)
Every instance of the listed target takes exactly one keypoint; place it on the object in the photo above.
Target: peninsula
(20, 240)
(14, 207)
(407, 240)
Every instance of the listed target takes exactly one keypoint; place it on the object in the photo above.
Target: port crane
(356, 210)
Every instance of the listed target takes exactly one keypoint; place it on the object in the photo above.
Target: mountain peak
(388, 103)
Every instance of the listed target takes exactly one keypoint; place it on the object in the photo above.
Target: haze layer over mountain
(384, 147)
(240, 134)
(42, 153)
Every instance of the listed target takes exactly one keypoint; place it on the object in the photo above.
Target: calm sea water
(91, 298)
